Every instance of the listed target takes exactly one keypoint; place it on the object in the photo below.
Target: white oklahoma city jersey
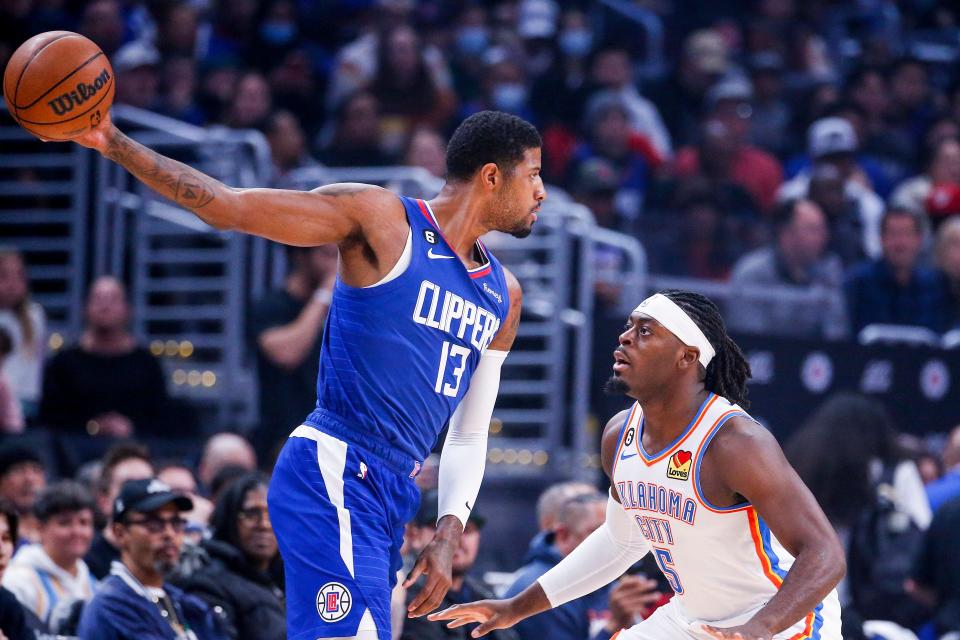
(723, 563)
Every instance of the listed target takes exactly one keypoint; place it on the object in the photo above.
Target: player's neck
(666, 416)
(460, 218)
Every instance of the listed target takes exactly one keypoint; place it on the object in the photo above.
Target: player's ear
(690, 357)
(490, 175)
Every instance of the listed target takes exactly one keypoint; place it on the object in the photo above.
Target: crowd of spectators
(743, 108)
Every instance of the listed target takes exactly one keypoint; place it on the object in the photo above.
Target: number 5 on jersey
(451, 352)
(665, 561)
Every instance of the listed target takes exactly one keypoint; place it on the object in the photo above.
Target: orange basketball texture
(58, 84)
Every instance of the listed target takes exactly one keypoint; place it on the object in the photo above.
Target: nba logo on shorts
(333, 602)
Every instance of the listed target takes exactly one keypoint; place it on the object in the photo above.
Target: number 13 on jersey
(456, 354)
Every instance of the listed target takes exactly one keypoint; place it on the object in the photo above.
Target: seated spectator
(107, 385)
(942, 170)
(464, 588)
(798, 258)
(772, 111)
(226, 450)
(11, 413)
(137, 65)
(51, 578)
(284, 331)
(548, 508)
(608, 122)
(947, 254)
(288, 147)
(136, 602)
(827, 190)
(595, 616)
(936, 574)
(26, 323)
(353, 139)
(123, 462)
(251, 103)
(181, 479)
(504, 85)
(896, 288)
(756, 170)
(13, 621)
(408, 92)
(947, 487)
(22, 478)
(239, 568)
(833, 141)
(426, 149)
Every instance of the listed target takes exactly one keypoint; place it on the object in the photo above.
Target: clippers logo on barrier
(83, 92)
(679, 466)
(333, 602)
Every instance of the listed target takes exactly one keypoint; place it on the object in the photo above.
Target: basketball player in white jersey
(702, 486)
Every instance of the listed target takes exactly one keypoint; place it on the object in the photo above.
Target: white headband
(676, 321)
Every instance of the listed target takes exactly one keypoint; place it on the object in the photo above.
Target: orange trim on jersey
(767, 567)
(614, 636)
(666, 453)
(719, 422)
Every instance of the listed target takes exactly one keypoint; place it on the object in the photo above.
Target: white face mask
(576, 43)
(509, 96)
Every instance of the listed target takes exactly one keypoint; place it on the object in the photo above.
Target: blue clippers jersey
(397, 358)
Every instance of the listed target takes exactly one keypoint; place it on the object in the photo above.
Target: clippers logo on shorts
(679, 466)
(333, 602)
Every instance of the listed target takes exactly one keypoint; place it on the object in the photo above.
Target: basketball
(58, 84)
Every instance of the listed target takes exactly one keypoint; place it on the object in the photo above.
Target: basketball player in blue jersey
(421, 319)
(696, 482)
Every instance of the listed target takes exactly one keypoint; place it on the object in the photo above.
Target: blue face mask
(509, 96)
(577, 43)
(278, 33)
(472, 40)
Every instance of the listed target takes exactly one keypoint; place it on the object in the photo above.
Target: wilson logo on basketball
(83, 92)
(679, 466)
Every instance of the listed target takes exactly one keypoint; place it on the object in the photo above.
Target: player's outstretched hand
(435, 562)
(743, 632)
(97, 137)
(491, 614)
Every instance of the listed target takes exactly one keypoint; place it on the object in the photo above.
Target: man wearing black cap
(22, 478)
(135, 602)
(464, 588)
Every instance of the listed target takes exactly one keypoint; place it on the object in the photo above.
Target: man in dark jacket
(464, 588)
(598, 615)
(135, 602)
(239, 571)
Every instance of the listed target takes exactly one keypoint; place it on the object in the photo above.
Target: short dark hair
(489, 136)
(901, 212)
(117, 454)
(786, 211)
(8, 511)
(65, 496)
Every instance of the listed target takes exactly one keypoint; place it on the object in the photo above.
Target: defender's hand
(742, 632)
(491, 614)
(436, 562)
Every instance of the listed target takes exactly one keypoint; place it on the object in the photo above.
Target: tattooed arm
(304, 218)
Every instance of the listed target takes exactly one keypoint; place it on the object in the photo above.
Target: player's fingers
(429, 598)
(713, 632)
(486, 627)
(418, 569)
(449, 613)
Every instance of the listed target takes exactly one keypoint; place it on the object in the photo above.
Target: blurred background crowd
(759, 144)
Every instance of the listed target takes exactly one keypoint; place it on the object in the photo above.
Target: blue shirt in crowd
(875, 297)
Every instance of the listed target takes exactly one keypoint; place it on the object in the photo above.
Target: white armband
(599, 560)
(464, 452)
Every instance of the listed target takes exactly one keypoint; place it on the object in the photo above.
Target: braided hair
(728, 372)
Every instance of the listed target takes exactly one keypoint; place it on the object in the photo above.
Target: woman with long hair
(26, 323)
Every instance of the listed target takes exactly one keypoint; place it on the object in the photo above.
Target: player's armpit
(503, 341)
(608, 445)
